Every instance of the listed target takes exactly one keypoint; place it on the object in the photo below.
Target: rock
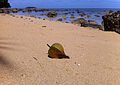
(102, 26)
(83, 14)
(65, 13)
(76, 22)
(87, 24)
(66, 22)
(4, 4)
(51, 14)
(60, 19)
(88, 16)
(23, 10)
(71, 18)
(97, 15)
(72, 15)
(92, 21)
(30, 8)
(5, 10)
(111, 21)
(63, 16)
(79, 21)
(15, 10)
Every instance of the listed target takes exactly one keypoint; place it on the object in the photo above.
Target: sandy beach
(94, 54)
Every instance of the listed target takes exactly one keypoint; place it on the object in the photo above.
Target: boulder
(87, 24)
(51, 14)
(79, 21)
(4, 4)
(111, 21)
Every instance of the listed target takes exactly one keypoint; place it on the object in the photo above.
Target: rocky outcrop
(51, 14)
(4, 4)
(111, 21)
(89, 24)
(79, 21)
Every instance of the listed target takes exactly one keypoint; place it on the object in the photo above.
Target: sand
(94, 54)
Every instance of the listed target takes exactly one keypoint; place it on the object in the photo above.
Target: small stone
(78, 64)
(43, 26)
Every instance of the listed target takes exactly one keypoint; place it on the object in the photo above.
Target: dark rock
(92, 21)
(65, 13)
(42, 14)
(30, 8)
(102, 26)
(15, 10)
(4, 10)
(4, 4)
(87, 24)
(111, 21)
(88, 16)
(79, 21)
(97, 15)
(66, 22)
(23, 10)
(73, 12)
(71, 18)
(72, 15)
(63, 16)
(51, 14)
(76, 22)
(60, 19)
(83, 14)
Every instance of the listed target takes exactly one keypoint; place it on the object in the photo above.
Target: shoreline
(64, 15)
(94, 54)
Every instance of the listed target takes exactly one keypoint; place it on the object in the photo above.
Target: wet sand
(94, 54)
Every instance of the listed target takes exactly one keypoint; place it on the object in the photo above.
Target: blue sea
(89, 11)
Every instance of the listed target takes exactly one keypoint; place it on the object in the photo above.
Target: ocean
(68, 12)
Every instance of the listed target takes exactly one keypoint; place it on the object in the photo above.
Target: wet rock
(87, 24)
(66, 22)
(92, 22)
(72, 15)
(63, 16)
(30, 8)
(42, 14)
(65, 13)
(83, 14)
(60, 19)
(71, 18)
(102, 26)
(88, 16)
(73, 12)
(111, 21)
(79, 21)
(76, 22)
(97, 15)
(23, 10)
(5, 10)
(51, 14)
(15, 10)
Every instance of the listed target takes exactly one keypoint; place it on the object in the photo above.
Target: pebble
(78, 64)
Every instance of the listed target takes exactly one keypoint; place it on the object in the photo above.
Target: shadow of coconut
(60, 57)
